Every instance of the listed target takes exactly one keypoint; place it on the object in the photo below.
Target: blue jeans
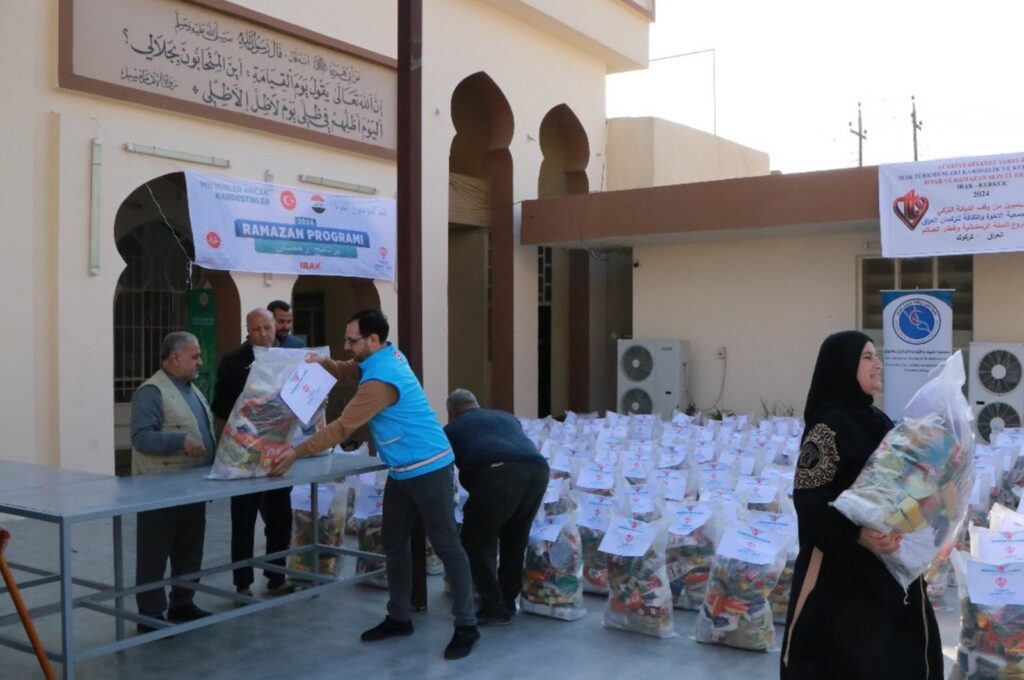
(430, 496)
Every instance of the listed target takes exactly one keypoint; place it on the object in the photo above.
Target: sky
(785, 77)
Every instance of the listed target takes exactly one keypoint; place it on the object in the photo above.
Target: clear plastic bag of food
(368, 512)
(692, 532)
(331, 527)
(261, 423)
(919, 480)
(553, 569)
(639, 595)
(736, 612)
(991, 619)
(592, 516)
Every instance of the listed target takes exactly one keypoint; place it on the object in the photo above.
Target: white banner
(918, 335)
(265, 228)
(953, 206)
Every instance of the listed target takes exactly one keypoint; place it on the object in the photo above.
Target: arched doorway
(562, 311)
(162, 290)
(481, 244)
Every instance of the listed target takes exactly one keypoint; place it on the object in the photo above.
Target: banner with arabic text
(953, 206)
(247, 226)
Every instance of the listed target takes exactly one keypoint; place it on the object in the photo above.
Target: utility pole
(914, 122)
(861, 134)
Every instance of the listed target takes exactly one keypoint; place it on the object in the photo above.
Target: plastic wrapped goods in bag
(692, 531)
(368, 512)
(784, 522)
(592, 516)
(639, 595)
(991, 619)
(919, 480)
(553, 569)
(261, 423)
(747, 566)
(331, 527)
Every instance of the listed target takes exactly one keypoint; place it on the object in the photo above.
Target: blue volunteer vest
(407, 434)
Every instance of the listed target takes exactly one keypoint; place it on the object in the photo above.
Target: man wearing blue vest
(410, 440)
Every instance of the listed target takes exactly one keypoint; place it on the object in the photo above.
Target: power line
(861, 134)
(915, 123)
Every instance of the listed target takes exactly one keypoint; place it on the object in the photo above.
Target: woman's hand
(878, 542)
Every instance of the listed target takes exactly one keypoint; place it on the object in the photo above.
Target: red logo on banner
(910, 208)
(1001, 582)
(288, 200)
(383, 253)
(213, 239)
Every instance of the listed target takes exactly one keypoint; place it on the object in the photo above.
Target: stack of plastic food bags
(692, 532)
(992, 606)
(639, 596)
(747, 566)
(919, 479)
(331, 527)
(553, 569)
(261, 423)
(784, 522)
(368, 512)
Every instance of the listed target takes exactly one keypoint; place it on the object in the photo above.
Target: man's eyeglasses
(352, 341)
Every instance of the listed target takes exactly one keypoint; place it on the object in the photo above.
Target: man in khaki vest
(172, 429)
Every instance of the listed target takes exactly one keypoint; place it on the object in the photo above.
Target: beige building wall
(57, 371)
(536, 71)
(999, 298)
(769, 301)
(57, 404)
(647, 152)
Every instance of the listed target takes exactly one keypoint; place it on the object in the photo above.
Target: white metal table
(67, 497)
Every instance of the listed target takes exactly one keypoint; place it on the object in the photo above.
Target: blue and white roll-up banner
(917, 336)
(245, 226)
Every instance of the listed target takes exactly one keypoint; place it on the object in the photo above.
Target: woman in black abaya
(848, 617)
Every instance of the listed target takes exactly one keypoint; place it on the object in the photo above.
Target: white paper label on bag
(995, 585)
(554, 490)
(673, 484)
(688, 517)
(634, 465)
(758, 490)
(561, 463)
(369, 501)
(753, 544)
(302, 498)
(596, 476)
(997, 547)
(641, 498)
(594, 511)
(547, 528)
(780, 521)
(671, 459)
(306, 388)
(628, 537)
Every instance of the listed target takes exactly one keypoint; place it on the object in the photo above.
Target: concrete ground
(319, 638)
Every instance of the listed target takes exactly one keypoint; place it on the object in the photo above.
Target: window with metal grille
(150, 302)
(308, 318)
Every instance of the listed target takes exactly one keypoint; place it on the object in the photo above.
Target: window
(955, 272)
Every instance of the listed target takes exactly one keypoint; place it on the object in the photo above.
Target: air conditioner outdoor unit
(652, 376)
(995, 386)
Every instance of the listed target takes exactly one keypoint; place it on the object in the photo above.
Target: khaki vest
(178, 417)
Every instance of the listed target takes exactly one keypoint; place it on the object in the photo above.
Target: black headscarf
(834, 384)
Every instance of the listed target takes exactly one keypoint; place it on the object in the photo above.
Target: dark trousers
(497, 516)
(432, 497)
(175, 533)
(275, 507)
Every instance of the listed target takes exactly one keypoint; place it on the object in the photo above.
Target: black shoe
(484, 618)
(462, 642)
(189, 612)
(275, 584)
(143, 628)
(389, 627)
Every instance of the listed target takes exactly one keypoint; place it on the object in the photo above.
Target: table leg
(314, 507)
(66, 602)
(118, 576)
